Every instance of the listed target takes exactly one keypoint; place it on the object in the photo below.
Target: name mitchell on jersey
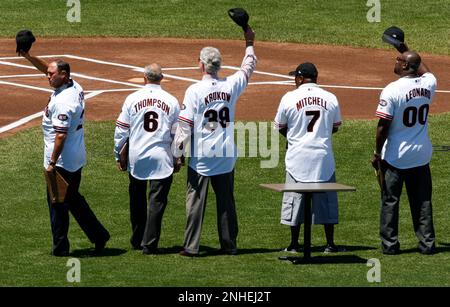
(312, 101)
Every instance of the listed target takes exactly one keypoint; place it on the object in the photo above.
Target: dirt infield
(109, 68)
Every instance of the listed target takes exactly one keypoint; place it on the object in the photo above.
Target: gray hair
(212, 59)
(153, 72)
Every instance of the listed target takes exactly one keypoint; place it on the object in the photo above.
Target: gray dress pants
(197, 192)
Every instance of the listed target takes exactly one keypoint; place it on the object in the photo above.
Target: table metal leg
(307, 226)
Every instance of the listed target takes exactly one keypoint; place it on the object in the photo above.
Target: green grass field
(312, 22)
(26, 238)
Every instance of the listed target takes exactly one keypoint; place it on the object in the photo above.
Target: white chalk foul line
(29, 118)
(114, 90)
(26, 86)
(76, 74)
(21, 76)
(41, 56)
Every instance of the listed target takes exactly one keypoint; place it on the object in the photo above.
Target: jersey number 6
(150, 121)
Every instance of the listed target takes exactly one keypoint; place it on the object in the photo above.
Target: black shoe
(150, 251)
(100, 247)
(429, 251)
(391, 252)
(61, 254)
(292, 249)
(137, 247)
(232, 252)
(187, 254)
(334, 249)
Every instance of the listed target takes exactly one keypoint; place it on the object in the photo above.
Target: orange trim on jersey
(279, 126)
(383, 115)
(188, 121)
(121, 124)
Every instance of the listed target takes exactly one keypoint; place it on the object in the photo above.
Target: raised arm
(249, 62)
(40, 64)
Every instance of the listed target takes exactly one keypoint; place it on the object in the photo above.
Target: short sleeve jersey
(309, 113)
(406, 103)
(65, 114)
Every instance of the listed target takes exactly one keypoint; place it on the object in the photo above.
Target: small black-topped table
(307, 189)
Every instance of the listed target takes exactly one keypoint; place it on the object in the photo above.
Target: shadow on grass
(90, 252)
(210, 252)
(206, 251)
(440, 248)
(329, 259)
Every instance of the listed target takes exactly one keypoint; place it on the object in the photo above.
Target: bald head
(153, 73)
(413, 59)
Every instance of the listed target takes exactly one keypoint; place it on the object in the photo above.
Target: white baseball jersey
(147, 119)
(406, 102)
(309, 113)
(65, 114)
(209, 109)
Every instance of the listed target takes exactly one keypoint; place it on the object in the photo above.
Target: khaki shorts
(324, 206)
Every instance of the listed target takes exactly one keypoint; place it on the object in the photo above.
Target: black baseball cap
(396, 33)
(307, 70)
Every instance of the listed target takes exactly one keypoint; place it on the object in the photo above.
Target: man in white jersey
(307, 117)
(403, 152)
(207, 115)
(65, 153)
(148, 121)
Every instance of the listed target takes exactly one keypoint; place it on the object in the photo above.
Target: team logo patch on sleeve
(183, 107)
(63, 117)
(383, 103)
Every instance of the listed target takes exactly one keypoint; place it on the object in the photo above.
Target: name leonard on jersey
(416, 92)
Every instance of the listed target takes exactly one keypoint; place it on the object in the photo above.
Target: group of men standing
(158, 132)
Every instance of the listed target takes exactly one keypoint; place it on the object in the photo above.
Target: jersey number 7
(315, 116)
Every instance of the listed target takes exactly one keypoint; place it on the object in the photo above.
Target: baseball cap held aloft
(395, 33)
(24, 40)
(307, 70)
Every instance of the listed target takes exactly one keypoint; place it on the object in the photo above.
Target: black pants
(146, 224)
(77, 205)
(418, 187)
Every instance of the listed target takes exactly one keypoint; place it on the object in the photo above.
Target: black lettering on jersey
(81, 97)
(63, 117)
(383, 103)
